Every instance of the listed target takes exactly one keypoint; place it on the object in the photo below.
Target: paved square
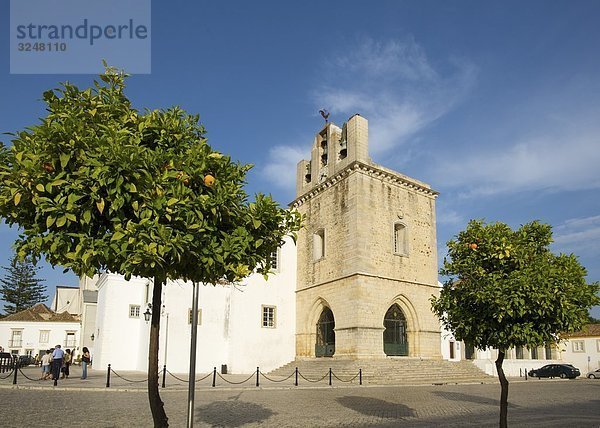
(536, 403)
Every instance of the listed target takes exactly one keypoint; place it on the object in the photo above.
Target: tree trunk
(504, 390)
(156, 405)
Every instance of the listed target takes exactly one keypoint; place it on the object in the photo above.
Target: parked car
(593, 375)
(556, 370)
(26, 360)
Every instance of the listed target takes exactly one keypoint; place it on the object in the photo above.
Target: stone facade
(369, 243)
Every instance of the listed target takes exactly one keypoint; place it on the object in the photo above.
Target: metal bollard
(108, 377)
(214, 377)
(257, 372)
(360, 376)
(15, 377)
(525, 373)
(330, 376)
(296, 382)
(164, 375)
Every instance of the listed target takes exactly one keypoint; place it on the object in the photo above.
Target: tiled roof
(590, 330)
(26, 315)
(40, 308)
(41, 312)
(64, 316)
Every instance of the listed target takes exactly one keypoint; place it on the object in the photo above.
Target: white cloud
(395, 86)
(391, 83)
(280, 168)
(555, 160)
(579, 235)
(449, 217)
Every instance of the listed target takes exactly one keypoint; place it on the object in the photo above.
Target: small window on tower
(343, 143)
(324, 151)
(307, 172)
(319, 244)
(400, 239)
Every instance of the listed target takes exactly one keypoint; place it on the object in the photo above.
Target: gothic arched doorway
(394, 335)
(325, 346)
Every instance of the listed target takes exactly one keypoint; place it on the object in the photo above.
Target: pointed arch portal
(325, 346)
(394, 335)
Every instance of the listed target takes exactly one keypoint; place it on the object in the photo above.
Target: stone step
(389, 370)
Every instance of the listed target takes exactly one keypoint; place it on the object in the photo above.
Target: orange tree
(506, 288)
(99, 186)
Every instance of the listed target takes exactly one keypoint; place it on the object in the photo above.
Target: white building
(34, 330)
(516, 360)
(242, 326)
(582, 348)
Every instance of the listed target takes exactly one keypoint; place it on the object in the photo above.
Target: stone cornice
(372, 170)
(371, 275)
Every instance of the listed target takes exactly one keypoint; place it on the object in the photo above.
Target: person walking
(85, 360)
(46, 361)
(57, 361)
(66, 364)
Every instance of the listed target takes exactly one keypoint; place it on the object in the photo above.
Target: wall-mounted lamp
(148, 312)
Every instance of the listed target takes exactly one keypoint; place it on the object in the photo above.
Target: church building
(367, 262)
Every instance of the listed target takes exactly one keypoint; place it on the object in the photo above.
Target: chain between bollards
(296, 375)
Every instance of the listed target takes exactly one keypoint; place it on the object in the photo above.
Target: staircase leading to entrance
(389, 371)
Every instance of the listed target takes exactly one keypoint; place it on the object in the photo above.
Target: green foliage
(99, 186)
(20, 288)
(506, 288)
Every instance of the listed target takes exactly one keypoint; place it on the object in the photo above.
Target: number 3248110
(42, 47)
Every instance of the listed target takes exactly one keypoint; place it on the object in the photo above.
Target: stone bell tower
(367, 261)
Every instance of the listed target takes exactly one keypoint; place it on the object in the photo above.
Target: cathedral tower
(367, 260)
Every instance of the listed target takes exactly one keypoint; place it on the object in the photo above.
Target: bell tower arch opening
(325, 345)
(395, 341)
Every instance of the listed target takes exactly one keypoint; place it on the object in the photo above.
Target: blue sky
(495, 104)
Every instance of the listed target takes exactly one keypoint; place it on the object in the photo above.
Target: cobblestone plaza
(75, 403)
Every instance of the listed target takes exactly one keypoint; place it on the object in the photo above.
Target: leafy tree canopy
(19, 287)
(98, 185)
(506, 288)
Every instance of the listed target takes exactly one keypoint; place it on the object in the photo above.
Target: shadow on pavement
(457, 396)
(232, 413)
(375, 407)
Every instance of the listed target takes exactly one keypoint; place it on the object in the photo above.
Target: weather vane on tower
(325, 114)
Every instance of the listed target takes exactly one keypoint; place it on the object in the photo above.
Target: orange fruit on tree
(209, 180)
